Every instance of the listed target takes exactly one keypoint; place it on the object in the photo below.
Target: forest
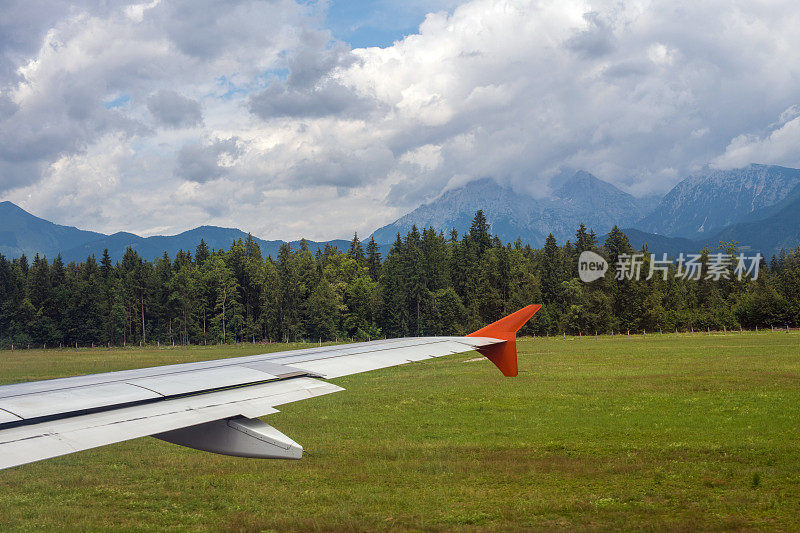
(428, 284)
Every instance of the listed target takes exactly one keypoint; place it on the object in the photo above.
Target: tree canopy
(427, 284)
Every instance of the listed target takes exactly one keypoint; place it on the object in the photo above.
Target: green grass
(662, 432)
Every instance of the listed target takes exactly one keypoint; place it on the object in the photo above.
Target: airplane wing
(212, 405)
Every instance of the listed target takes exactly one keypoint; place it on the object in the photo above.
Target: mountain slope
(766, 230)
(582, 198)
(24, 233)
(701, 205)
(768, 235)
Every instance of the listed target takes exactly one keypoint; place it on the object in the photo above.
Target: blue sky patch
(120, 101)
(364, 23)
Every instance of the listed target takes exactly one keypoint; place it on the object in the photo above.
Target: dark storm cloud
(595, 41)
(207, 29)
(279, 100)
(174, 110)
(310, 90)
(200, 161)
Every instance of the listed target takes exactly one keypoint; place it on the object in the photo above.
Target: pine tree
(323, 311)
(356, 251)
(551, 270)
(373, 260)
(414, 280)
(616, 243)
(435, 260)
(269, 318)
(39, 289)
(201, 253)
(395, 311)
(583, 240)
(227, 320)
(291, 292)
(479, 232)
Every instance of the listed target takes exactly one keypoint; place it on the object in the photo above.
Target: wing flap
(25, 444)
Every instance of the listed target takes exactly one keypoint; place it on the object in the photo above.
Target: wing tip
(504, 355)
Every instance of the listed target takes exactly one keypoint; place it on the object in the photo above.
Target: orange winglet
(504, 355)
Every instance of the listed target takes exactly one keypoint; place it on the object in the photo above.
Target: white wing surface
(211, 405)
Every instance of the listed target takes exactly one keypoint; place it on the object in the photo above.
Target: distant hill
(153, 247)
(24, 233)
(702, 205)
(581, 198)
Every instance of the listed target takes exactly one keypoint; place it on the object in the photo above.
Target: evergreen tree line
(428, 284)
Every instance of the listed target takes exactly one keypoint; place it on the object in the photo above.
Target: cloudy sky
(315, 119)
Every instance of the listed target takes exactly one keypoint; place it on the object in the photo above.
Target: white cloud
(248, 114)
(779, 147)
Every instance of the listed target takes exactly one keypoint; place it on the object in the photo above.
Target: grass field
(662, 432)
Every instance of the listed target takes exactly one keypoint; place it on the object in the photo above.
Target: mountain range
(22, 232)
(581, 198)
(703, 204)
(757, 206)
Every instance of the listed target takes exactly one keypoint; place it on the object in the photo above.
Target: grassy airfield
(672, 432)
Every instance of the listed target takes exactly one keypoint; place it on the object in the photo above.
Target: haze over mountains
(758, 206)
